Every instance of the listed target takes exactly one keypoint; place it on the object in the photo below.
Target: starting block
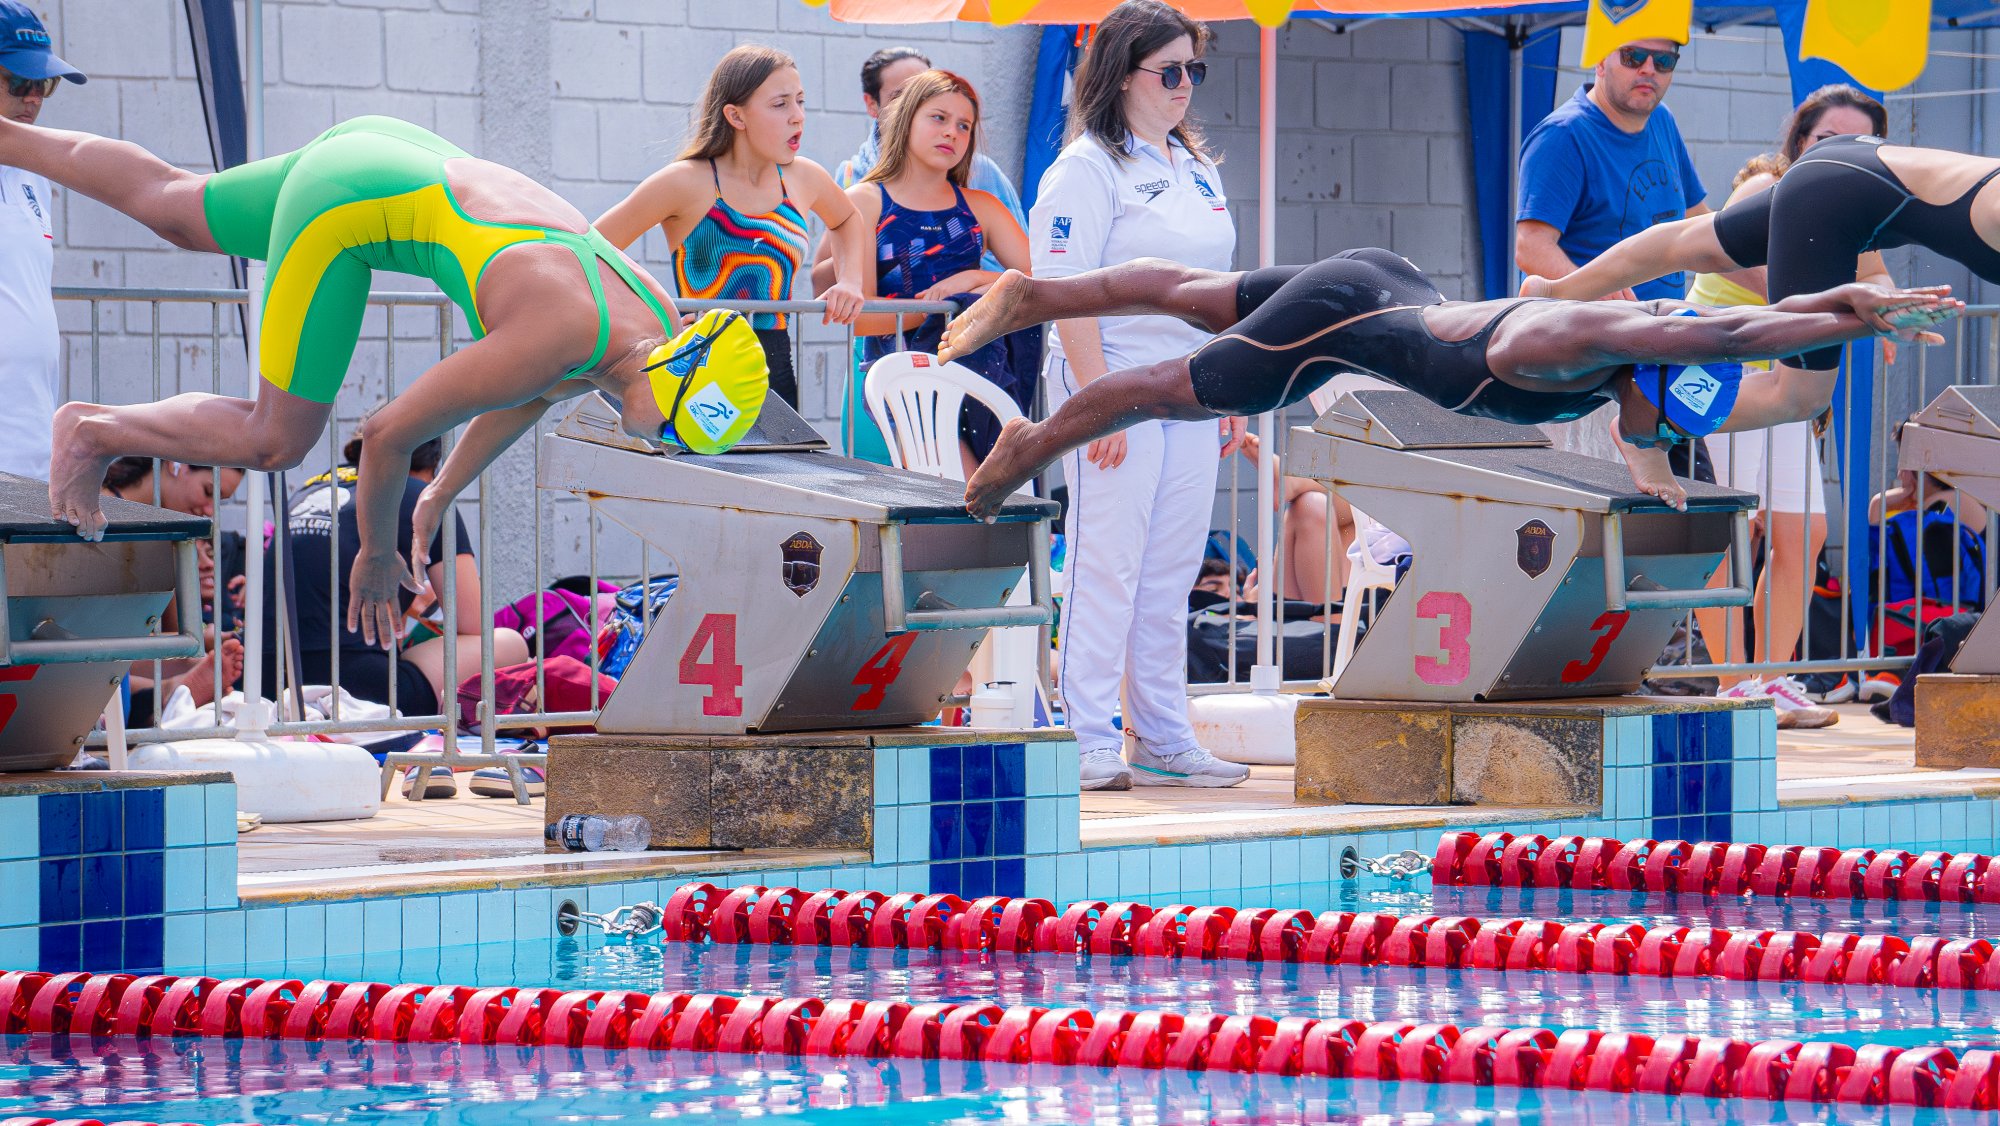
(1536, 573)
(1957, 439)
(816, 592)
(74, 615)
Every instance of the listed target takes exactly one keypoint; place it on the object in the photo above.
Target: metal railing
(437, 338)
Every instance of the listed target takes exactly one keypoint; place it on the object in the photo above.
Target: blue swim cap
(1697, 399)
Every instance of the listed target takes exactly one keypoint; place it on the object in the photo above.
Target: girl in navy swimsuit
(1673, 368)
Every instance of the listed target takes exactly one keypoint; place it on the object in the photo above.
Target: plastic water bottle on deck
(587, 832)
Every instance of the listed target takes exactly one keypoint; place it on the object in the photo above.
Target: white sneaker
(1794, 710)
(1841, 693)
(1189, 768)
(1878, 686)
(1103, 769)
(439, 782)
(1742, 690)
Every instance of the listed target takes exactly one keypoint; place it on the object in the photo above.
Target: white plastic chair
(1364, 576)
(914, 398)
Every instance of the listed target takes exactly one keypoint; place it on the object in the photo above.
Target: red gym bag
(565, 679)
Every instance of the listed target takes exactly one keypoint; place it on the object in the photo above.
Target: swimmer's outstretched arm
(509, 369)
(1205, 299)
(118, 174)
(1685, 244)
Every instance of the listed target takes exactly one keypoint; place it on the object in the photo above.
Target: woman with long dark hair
(1135, 181)
(733, 204)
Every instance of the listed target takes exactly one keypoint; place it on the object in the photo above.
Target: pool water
(218, 1081)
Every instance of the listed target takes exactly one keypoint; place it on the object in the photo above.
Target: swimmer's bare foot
(1534, 285)
(1651, 472)
(990, 318)
(1003, 472)
(76, 473)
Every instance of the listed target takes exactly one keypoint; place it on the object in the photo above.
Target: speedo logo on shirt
(1152, 190)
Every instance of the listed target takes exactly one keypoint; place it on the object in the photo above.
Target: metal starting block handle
(1618, 594)
(897, 616)
(146, 647)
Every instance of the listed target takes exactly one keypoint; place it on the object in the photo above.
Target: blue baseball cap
(25, 48)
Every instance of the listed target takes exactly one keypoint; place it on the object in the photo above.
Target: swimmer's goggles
(709, 382)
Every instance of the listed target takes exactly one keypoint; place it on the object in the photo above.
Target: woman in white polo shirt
(1134, 182)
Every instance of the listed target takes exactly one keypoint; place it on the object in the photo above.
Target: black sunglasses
(1170, 74)
(22, 87)
(1635, 57)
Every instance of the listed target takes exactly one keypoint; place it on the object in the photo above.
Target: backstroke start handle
(897, 617)
(1617, 593)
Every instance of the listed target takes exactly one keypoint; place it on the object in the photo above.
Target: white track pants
(1135, 536)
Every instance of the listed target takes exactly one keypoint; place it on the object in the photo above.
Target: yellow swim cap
(710, 382)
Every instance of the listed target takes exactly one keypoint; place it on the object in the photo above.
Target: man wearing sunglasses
(1606, 164)
(29, 365)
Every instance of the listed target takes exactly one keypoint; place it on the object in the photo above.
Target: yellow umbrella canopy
(1267, 12)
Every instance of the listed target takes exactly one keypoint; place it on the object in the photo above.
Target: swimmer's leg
(1104, 406)
(274, 432)
(1206, 299)
(118, 174)
(1687, 244)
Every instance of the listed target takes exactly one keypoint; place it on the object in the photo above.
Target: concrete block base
(1539, 753)
(1958, 720)
(812, 790)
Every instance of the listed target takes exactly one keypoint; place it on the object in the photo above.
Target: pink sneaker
(1794, 709)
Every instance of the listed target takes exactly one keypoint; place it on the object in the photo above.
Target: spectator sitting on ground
(412, 679)
(192, 490)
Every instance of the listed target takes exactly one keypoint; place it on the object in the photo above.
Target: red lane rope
(789, 916)
(1713, 868)
(1579, 1059)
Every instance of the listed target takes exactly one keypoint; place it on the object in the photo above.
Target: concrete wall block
(1313, 39)
(1432, 237)
(1447, 42)
(1739, 51)
(813, 77)
(1451, 172)
(130, 39)
(93, 108)
(677, 62)
(632, 142)
(330, 46)
(1391, 168)
(1315, 169)
(1701, 113)
(416, 108)
(1391, 39)
(165, 116)
(93, 225)
(1758, 117)
(1351, 95)
(432, 51)
(407, 5)
(1219, 102)
(592, 197)
(573, 136)
(293, 116)
(737, 15)
(597, 60)
(655, 13)
(457, 120)
(1346, 226)
(1428, 99)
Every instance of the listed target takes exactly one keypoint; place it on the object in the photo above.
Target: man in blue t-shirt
(1606, 164)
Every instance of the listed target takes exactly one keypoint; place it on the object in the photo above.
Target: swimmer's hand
(425, 520)
(373, 609)
(1904, 314)
(843, 303)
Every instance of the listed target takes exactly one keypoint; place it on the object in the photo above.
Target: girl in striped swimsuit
(746, 148)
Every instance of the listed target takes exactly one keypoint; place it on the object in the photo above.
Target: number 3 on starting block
(1454, 637)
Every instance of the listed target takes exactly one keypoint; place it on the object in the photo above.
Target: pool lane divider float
(1715, 868)
(23, 1120)
(121, 1005)
(754, 915)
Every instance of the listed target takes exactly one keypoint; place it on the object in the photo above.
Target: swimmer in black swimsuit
(1284, 331)
(1839, 199)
